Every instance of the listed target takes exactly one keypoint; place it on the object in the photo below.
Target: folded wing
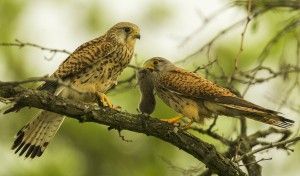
(221, 100)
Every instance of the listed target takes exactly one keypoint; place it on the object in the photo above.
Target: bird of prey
(197, 98)
(91, 69)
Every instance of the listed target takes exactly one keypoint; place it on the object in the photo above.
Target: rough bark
(119, 120)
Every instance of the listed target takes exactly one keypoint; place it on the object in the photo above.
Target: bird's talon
(104, 101)
(116, 107)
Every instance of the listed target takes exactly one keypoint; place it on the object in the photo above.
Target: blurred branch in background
(293, 4)
(21, 44)
(244, 143)
(240, 150)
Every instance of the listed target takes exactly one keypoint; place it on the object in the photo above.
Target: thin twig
(220, 34)
(263, 159)
(262, 57)
(21, 44)
(237, 58)
(271, 145)
(40, 79)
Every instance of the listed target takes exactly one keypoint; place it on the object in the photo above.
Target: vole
(147, 101)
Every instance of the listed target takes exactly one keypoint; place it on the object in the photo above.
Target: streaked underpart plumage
(91, 69)
(198, 98)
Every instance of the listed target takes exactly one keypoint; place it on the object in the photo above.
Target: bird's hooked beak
(137, 36)
(149, 65)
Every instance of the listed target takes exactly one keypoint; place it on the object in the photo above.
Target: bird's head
(124, 33)
(158, 64)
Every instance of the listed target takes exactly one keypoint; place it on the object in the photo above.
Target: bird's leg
(173, 120)
(104, 101)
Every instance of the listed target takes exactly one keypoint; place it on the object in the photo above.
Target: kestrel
(91, 70)
(198, 98)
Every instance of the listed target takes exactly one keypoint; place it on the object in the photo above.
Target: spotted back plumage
(191, 84)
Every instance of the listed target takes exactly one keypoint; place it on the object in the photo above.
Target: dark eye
(127, 29)
(155, 62)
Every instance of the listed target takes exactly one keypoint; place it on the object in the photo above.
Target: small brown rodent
(147, 101)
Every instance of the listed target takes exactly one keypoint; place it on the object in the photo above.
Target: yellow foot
(172, 120)
(105, 101)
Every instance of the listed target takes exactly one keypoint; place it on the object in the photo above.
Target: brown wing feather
(80, 59)
(84, 56)
(194, 86)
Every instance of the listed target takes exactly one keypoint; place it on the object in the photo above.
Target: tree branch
(271, 145)
(83, 112)
(21, 44)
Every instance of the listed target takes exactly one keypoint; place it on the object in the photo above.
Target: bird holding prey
(198, 98)
(91, 70)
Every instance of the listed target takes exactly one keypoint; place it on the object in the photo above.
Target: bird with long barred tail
(91, 70)
(197, 98)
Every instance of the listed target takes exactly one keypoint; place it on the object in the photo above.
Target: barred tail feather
(34, 137)
(274, 119)
(263, 115)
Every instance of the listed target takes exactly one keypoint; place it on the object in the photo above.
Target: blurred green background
(90, 149)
